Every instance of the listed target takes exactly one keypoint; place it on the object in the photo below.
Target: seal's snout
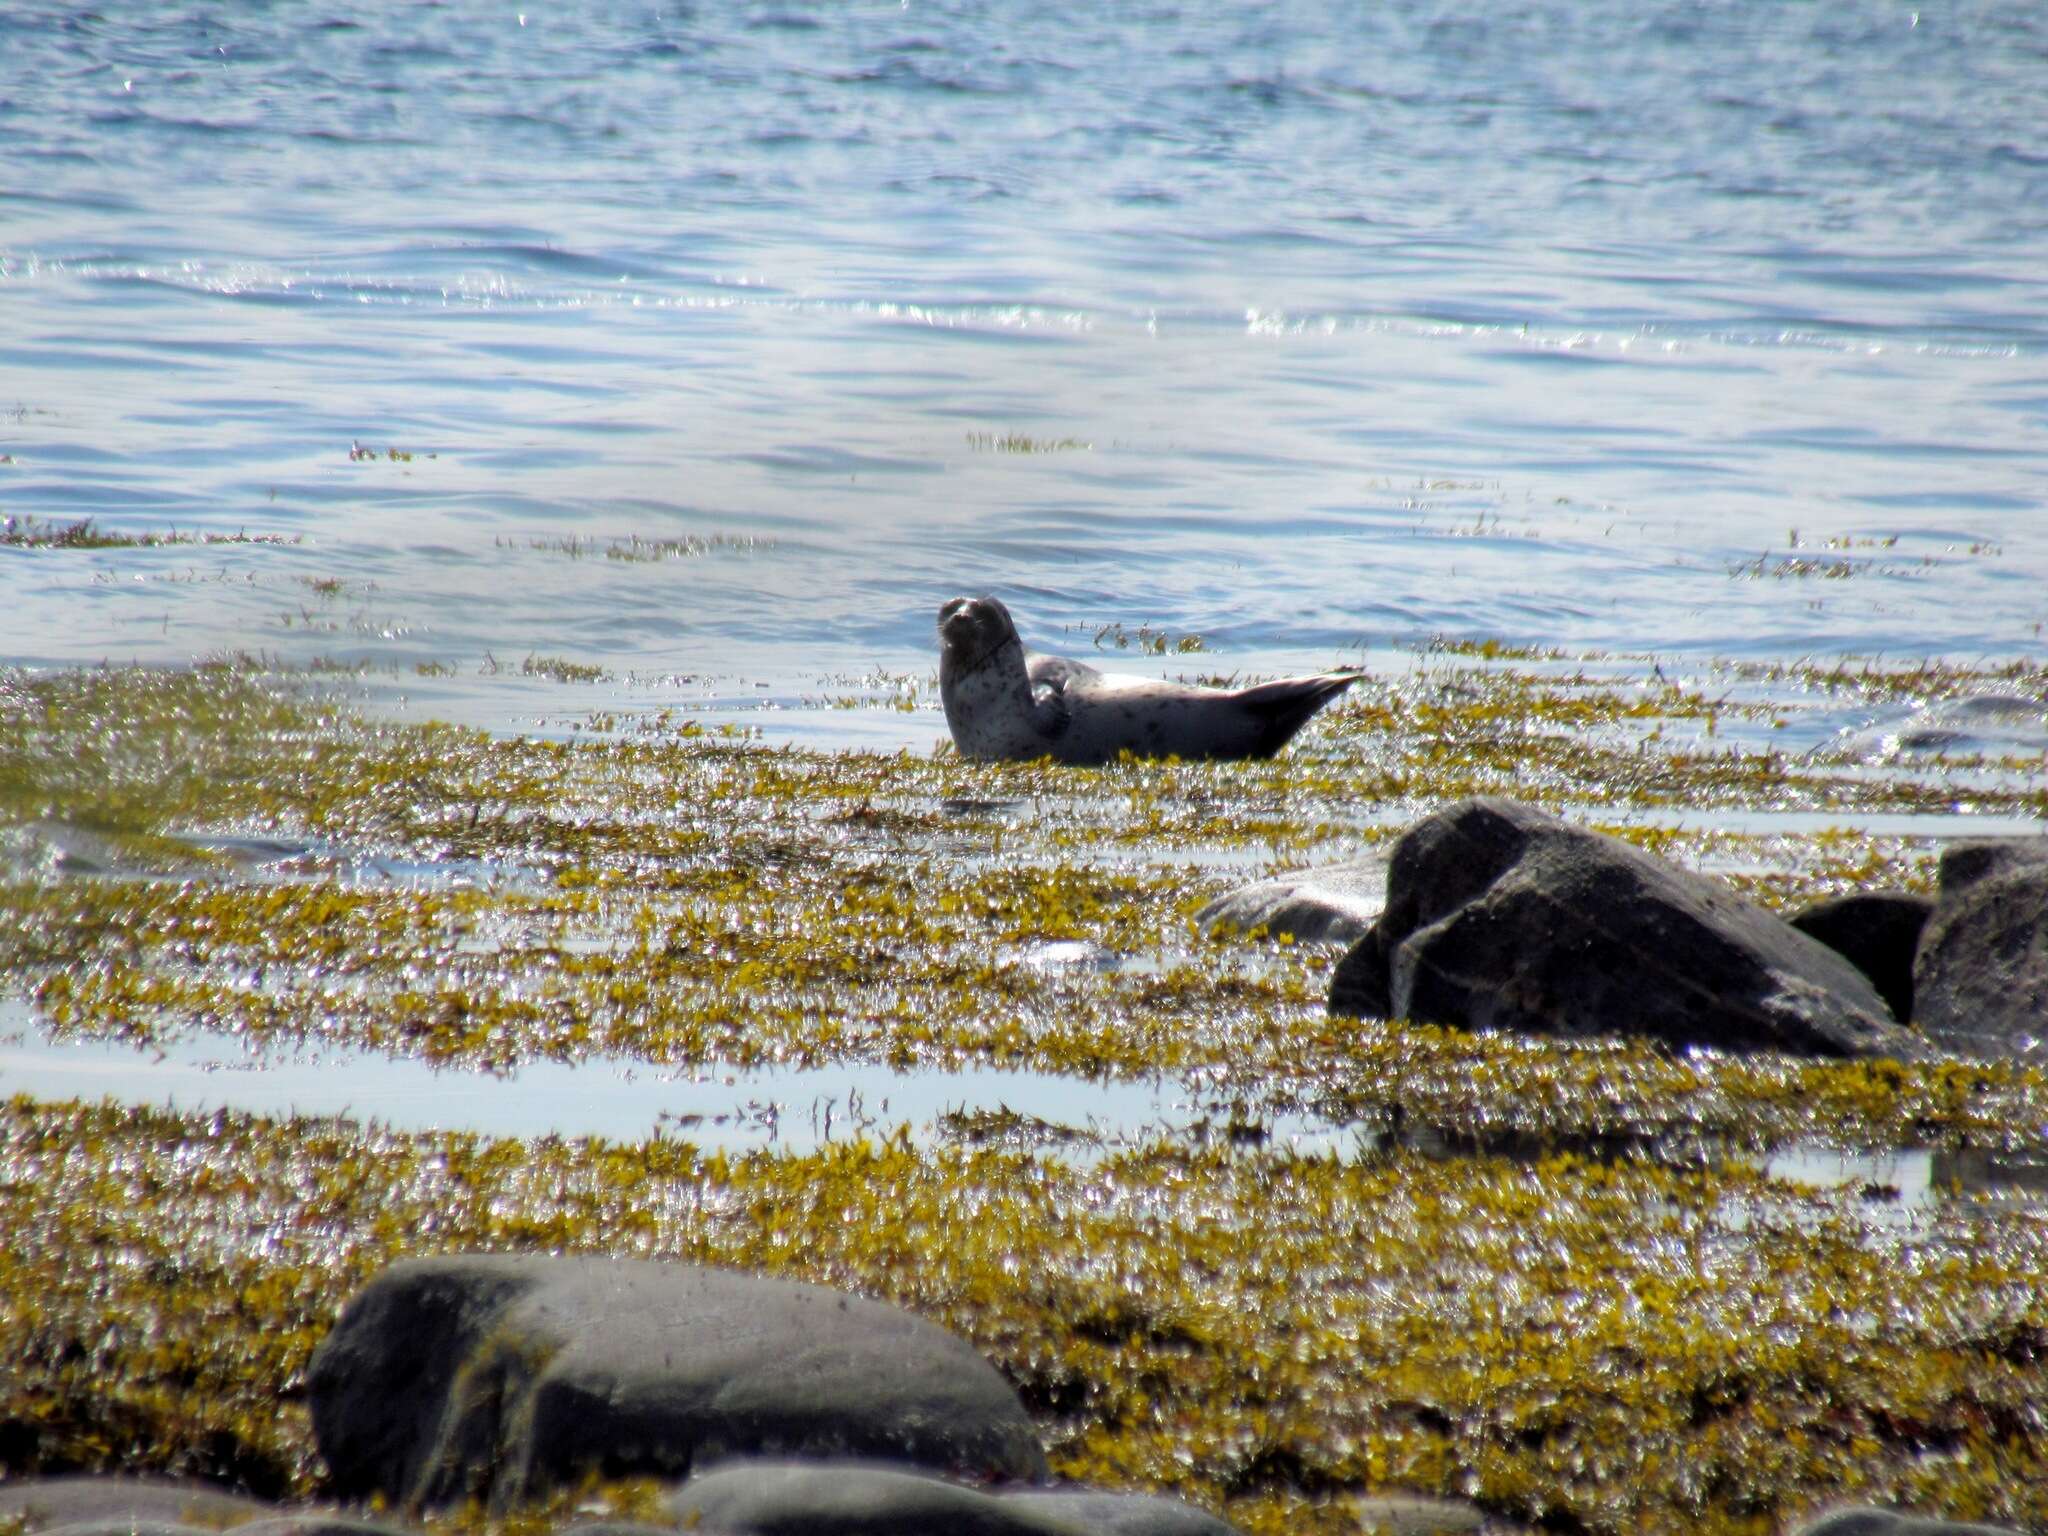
(971, 628)
(956, 624)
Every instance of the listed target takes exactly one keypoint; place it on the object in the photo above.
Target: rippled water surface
(1297, 328)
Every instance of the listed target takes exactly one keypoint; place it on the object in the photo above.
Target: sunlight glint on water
(1583, 326)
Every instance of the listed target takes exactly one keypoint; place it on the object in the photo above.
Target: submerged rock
(1337, 902)
(1501, 916)
(1871, 1521)
(500, 1377)
(1987, 723)
(1877, 932)
(1980, 978)
(867, 1499)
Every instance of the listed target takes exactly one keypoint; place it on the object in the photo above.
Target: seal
(1003, 702)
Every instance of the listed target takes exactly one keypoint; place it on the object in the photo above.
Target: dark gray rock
(757, 1498)
(1335, 903)
(1120, 1514)
(821, 1499)
(498, 1377)
(1870, 1521)
(1362, 987)
(1878, 933)
(1501, 916)
(47, 1503)
(1980, 978)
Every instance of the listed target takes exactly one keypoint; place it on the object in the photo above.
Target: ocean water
(1304, 328)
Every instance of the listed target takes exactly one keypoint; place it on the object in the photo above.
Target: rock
(47, 1503)
(148, 1506)
(1501, 916)
(1120, 1514)
(759, 1498)
(1362, 987)
(1976, 1171)
(1412, 1514)
(501, 1376)
(1980, 978)
(1337, 902)
(1870, 1521)
(793, 1499)
(313, 1522)
(1877, 932)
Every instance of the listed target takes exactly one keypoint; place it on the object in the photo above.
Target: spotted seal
(1004, 702)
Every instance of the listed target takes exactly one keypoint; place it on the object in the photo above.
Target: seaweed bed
(1552, 1277)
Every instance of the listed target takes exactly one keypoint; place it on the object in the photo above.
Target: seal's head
(971, 631)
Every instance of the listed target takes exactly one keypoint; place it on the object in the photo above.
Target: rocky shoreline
(766, 1407)
(758, 1407)
(1544, 1274)
(1498, 915)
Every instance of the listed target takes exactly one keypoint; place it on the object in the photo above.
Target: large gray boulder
(498, 1377)
(866, 1499)
(1502, 916)
(1980, 978)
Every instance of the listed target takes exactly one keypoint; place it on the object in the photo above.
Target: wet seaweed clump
(643, 549)
(562, 670)
(88, 533)
(1023, 442)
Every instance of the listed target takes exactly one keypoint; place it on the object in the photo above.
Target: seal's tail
(1284, 707)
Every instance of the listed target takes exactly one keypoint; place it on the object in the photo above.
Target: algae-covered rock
(500, 1377)
(1503, 916)
(1980, 978)
(870, 1499)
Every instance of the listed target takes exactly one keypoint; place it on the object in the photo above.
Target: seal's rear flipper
(1284, 707)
